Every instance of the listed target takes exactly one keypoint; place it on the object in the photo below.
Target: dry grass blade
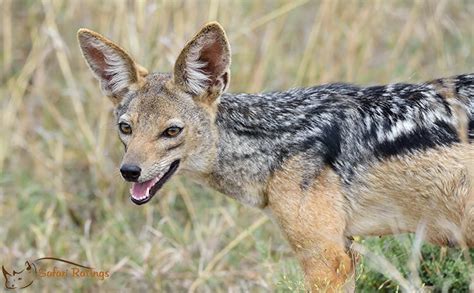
(385, 267)
(284, 9)
(215, 260)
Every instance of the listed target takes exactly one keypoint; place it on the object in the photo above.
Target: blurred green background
(60, 190)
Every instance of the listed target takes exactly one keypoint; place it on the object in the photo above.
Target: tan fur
(431, 188)
(313, 220)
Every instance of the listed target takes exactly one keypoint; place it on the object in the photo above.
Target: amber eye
(125, 128)
(172, 131)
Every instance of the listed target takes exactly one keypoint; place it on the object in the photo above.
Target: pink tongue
(142, 189)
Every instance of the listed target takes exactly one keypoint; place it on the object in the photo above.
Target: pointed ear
(203, 65)
(27, 265)
(110, 64)
(5, 273)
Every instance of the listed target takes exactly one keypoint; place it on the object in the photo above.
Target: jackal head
(165, 121)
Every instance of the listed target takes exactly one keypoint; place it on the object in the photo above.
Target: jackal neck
(256, 134)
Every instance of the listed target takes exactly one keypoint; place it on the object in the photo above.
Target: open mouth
(141, 193)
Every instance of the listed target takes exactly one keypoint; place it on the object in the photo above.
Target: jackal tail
(459, 92)
(465, 89)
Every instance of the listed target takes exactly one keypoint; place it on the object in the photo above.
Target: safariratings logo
(32, 270)
(20, 279)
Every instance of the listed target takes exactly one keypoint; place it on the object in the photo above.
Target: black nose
(130, 172)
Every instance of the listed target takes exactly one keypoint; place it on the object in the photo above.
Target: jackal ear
(110, 64)
(203, 65)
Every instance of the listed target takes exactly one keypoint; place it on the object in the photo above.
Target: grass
(60, 191)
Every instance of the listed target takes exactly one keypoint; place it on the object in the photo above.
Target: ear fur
(110, 64)
(202, 68)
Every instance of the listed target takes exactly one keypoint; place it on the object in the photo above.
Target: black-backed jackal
(326, 162)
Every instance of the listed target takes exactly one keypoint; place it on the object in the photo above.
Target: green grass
(440, 269)
(60, 191)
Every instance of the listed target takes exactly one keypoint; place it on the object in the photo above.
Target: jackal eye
(172, 131)
(125, 128)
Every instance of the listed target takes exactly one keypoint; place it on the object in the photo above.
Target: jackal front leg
(313, 221)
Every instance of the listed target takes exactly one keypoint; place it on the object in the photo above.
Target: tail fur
(465, 90)
(459, 92)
